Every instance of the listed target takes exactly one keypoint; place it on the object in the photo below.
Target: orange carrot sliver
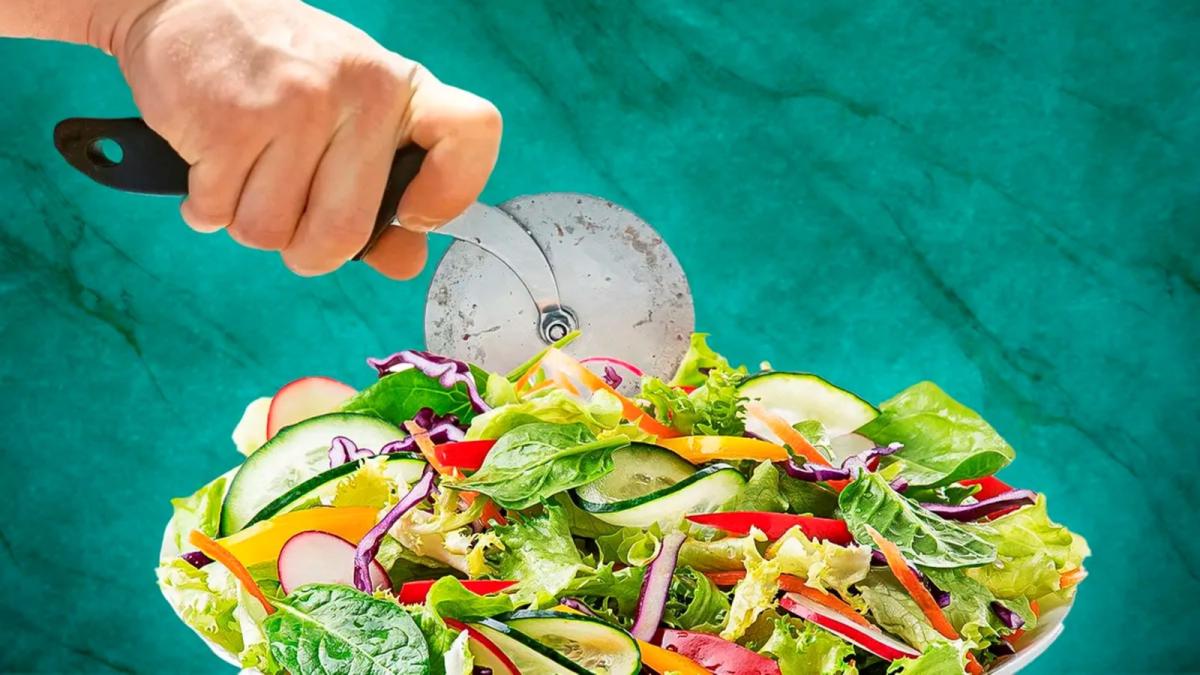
(566, 365)
(973, 666)
(428, 450)
(1072, 577)
(786, 433)
(916, 589)
(1037, 609)
(222, 555)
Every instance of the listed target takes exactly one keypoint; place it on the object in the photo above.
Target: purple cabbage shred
(442, 429)
(1009, 618)
(899, 484)
(850, 468)
(611, 377)
(447, 371)
(196, 559)
(1002, 648)
(983, 508)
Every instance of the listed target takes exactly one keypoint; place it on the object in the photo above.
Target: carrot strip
(1037, 609)
(428, 449)
(791, 583)
(916, 589)
(786, 433)
(220, 554)
(1072, 577)
(566, 365)
(973, 666)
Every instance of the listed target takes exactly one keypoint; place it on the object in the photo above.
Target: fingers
(275, 193)
(343, 200)
(214, 188)
(399, 254)
(461, 133)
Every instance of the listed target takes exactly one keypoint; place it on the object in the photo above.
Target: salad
(576, 516)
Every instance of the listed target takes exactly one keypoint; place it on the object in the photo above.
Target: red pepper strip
(989, 486)
(1072, 577)
(491, 514)
(222, 555)
(789, 583)
(465, 455)
(907, 578)
(564, 365)
(415, 592)
(775, 525)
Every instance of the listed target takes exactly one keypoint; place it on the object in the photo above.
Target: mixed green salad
(576, 516)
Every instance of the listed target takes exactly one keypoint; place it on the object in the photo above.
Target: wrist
(109, 22)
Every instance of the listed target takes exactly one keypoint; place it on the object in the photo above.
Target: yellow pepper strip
(700, 449)
(659, 659)
(263, 541)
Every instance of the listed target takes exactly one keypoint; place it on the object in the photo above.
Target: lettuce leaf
(399, 396)
(944, 441)
(802, 648)
(630, 545)
(761, 492)
(924, 538)
(205, 599)
(599, 413)
(942, 659)
(440, 639)
(754, 593)
(699, 360)
(449, 598)
(539, 553)
(201, 511)
(822, 564)
(720, 555)
(1032, 553)
(894, 610)
(458, 659)
(611, 593)
(970, 608)
(534, 462)
(695, 603)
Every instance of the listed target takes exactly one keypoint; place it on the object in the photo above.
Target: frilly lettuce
(721, 555)
(695, 602)
(611, 593)
(801, 648)
(754, 593)
(630, 545)
(970, 610)
(699, 360)
(538, 552)
(375, 484)
(601, 412)
(449, 598)
(1032, 553)
(822, 564)
(201, 511)
(946, 658)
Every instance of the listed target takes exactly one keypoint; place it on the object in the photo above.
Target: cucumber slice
(588, 644)
(638, 470)
(405, 466)
(702, 492)
(527, 654)
(296, 454)
(797, 397)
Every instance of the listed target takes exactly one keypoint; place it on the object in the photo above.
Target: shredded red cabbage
(447, 371)
(196, 559)
(851, 467)
(611, 377)
(1002, 648)
(343, 450)
(899, 484)
(577, 605)
(1009, 618)
(983, 508)
(366, 550)
(442, 429)
(655, 585)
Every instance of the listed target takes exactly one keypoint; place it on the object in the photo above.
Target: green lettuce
(458, 660)
(720, 555)
(1032, 553)
(534, 462)
(802, 648)
(817, 436)
(398, 397)
(601, 412)
(824, 565)
(754, 593)
(375, 484)
(630, 545)
(201, 511)
(580, 522)
(440, 639)
(695, 603)
(538, 552)
(761, 492)
(924, 538)
(449, 598)
(804, 497)
(970, 608)
(699, 360)
(611, 593)
(942, 659)
(944, 441)
(894, 610)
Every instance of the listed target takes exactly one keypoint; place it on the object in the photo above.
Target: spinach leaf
(761, 492)
(334, 629)
(398, 397)
(448, 597)
(944, 441)
(534, 462)
(804, 497)
(924, 538)
(538, 552)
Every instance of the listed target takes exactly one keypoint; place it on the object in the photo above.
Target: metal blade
(616, 279)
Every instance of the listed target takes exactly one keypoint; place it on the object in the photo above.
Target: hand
(290, 117)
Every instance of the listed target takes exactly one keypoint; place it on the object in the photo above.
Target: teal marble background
(1003, 197)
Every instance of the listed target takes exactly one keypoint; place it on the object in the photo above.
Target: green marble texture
(1003, 197)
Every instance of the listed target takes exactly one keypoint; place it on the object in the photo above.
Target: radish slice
(718, 655)
(304, 399)
(871, 639)
(321, 558)
(486, 653)
(653, 601)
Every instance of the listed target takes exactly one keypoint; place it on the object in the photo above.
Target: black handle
(125, 154)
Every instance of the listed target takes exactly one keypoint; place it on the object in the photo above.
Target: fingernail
(416, 223)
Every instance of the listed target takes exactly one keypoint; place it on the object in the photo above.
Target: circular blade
(615, 274)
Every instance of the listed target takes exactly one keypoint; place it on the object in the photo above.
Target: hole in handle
(105, 152)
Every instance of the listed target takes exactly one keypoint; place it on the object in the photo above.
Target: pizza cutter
(518, 277)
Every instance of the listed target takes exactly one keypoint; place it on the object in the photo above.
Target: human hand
(290, 117)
